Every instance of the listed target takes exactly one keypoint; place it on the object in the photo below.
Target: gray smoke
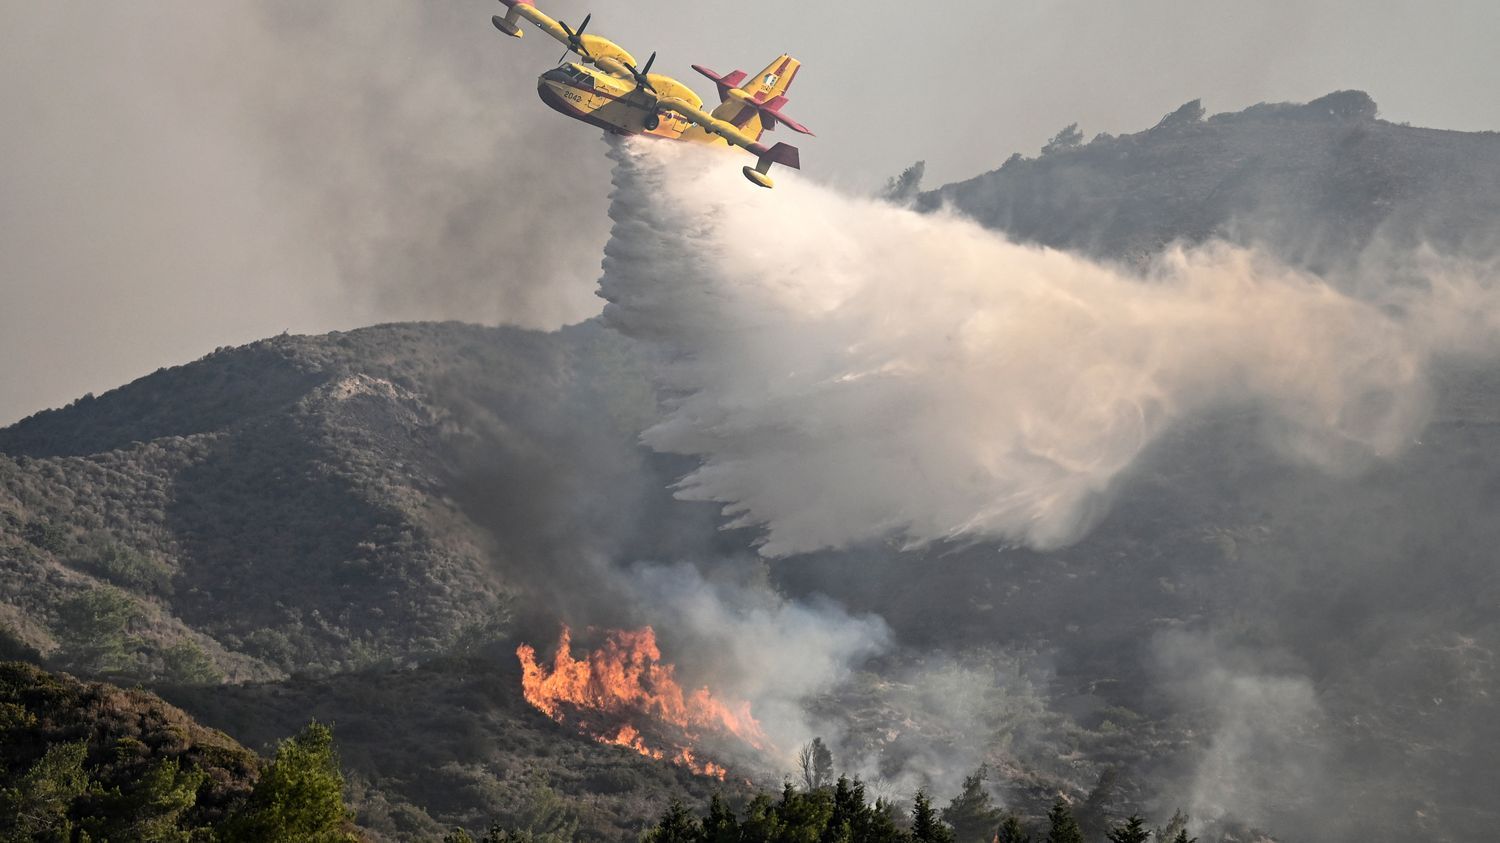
(1265, 755)
(179, 176)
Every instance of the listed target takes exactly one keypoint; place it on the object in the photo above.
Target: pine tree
(1133, 830)
(877, 824)
(300, 796)
(150, 808)
(971, 813)
(804, 816)
(762, 822)
(1011, 832)
(677, 825)
(1062, 828)
(848, 804)
(925, 825)
(37, 807)
(1183, 838)
(721, 825)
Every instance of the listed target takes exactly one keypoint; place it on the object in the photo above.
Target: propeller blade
(575, 41)
(571, 36)
(640, 75)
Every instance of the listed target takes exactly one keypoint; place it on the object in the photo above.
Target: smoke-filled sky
(175, 176)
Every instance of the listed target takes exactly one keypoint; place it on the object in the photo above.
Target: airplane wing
(591, 48)
(609, 57)
(778, 154)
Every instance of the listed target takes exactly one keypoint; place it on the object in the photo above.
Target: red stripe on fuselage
(559, 104)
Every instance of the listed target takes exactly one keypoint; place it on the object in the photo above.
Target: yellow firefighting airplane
(616, 95)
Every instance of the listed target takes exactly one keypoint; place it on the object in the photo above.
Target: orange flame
(624, 679)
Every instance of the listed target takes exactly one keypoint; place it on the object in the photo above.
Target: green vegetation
(973, 815)
(1133, 830)
(122, 565)
(299, 795)
(38, 802)
(185, 663)
(839, 813)
(1061, 827)
(13, 648)
(1011, 831)
(94, 630)
(95, 762)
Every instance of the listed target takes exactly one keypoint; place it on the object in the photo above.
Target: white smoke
(774, 652)
(850, 371)
(1265, 754)
(896, 719)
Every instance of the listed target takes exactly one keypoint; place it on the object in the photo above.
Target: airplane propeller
(642, 76)
(575, 39)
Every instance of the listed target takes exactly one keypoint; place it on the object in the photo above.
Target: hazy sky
(177, 175)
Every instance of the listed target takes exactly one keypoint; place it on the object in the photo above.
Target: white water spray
(850, 371)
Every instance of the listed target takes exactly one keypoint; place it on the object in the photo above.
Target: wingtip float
(607, 88)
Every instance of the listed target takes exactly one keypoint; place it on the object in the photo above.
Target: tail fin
(753, 104)
(724, 83)
(774, 80)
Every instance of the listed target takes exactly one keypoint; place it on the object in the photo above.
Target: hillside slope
(112, 762)
(297, 504)
(1318, 183)
(362, 526)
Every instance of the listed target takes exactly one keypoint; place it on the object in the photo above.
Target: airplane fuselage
(609, 91)
(608, 102)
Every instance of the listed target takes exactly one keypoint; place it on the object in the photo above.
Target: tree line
(824, 811)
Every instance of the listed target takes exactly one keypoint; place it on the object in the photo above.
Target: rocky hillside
(299, 504)
(347, 506)
(1317, 182)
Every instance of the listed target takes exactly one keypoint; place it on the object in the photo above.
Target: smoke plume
(848, 371)
(755, 644)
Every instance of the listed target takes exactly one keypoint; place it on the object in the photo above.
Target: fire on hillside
(624, 694)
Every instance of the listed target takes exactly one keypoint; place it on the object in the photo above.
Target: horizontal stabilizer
(724, 83)
(770, 112)
(784, 154)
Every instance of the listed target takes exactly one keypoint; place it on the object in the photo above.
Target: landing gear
(652, 121)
